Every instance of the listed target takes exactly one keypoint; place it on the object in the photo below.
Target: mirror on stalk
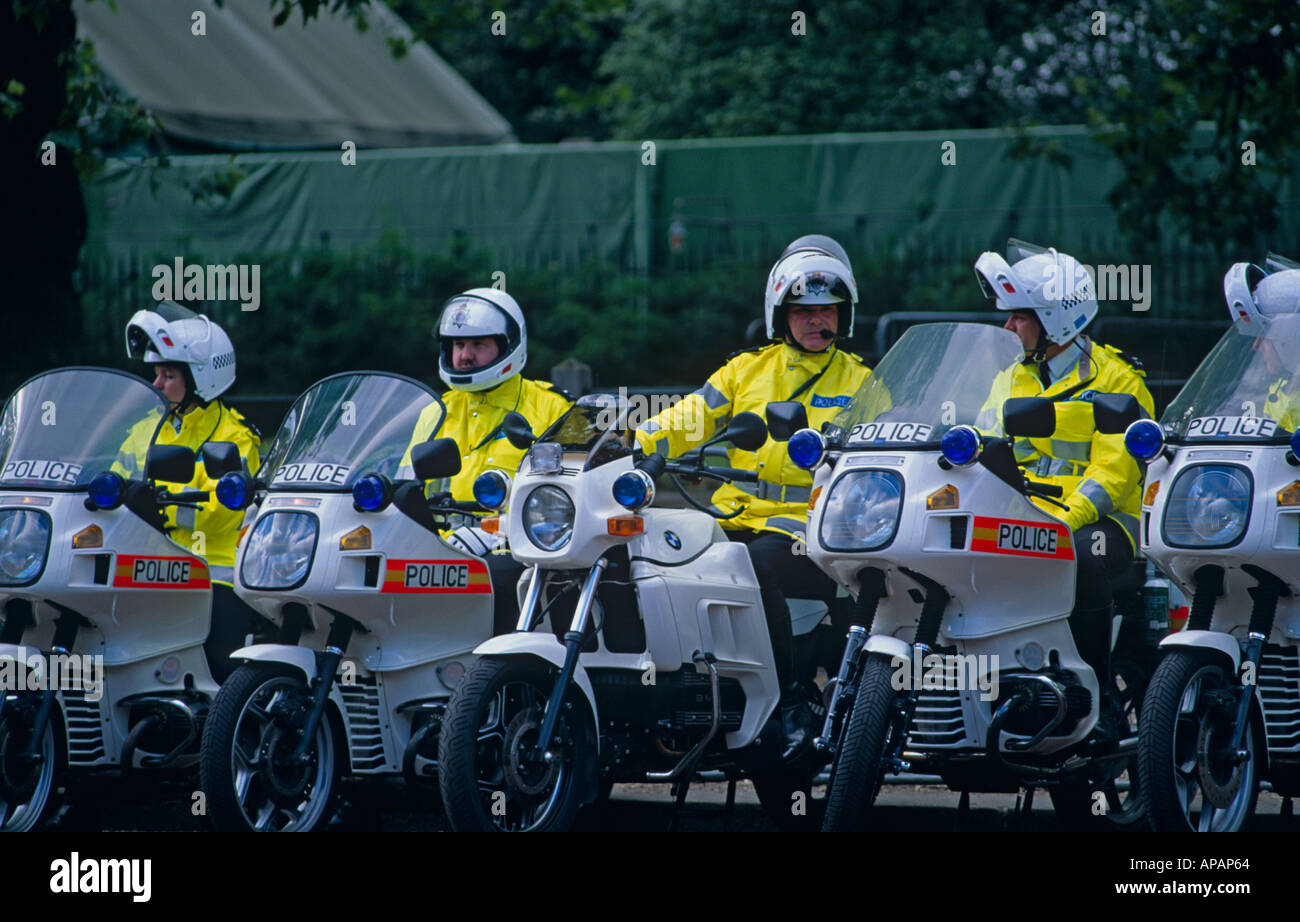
(1029, 417)
(172, 463)
(785, 418)
(517, 430)
(436, 459)
(747, 431)
(220, 458)
(1114, 413)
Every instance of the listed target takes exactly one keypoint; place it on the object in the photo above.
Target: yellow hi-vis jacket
(212, 530)
(749, 382)
(1096, 474)
(474, 420)
(1283, 403)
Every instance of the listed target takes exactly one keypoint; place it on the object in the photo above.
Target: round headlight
(1208, 506)
(24, 541)
(1144, 439)
(806, 448)
(862, 511)
(106, 490)
(960, 445)
(548, 518)
(491, 489)
(634, 490)
(232, 490)
(371, 493)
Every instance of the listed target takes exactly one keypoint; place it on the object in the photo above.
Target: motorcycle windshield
(62, 428)
(350, 425)
(938, 375)
(596, 425)
(1246, 390)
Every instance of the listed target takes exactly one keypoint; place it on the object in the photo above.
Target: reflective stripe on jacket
(749, 382)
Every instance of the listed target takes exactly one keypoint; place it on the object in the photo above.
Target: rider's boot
(796, 722)
(1091, 629)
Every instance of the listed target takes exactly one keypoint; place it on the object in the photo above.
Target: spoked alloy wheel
(491, 776)
(26, 786)
(247, 767)
(1193, 779)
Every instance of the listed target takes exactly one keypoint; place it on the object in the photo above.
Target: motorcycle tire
(1168, 741)
(271, 801)
(859, 770)
(29, 794)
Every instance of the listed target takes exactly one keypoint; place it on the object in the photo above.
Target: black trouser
(781, 573)
(232, 621)
(1103, 553)
(505, 572)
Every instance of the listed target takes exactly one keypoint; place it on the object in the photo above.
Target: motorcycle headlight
(548, 518)
(1209, 506)
(862, 511)
(24, 542)
(280, 550)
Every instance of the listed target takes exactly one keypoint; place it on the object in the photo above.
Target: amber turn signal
(625, 526)
(946, 497)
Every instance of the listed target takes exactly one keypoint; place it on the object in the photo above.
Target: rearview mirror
(436, 459)
(220, 458)
(1029, 417)
(785, 418)
(517, 430)
(747, 431)
(1114, 413)
(172, 463)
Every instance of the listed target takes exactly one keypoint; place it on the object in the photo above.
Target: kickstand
(1026, 809)
(679, 790)
(963, 811)
(729, 815)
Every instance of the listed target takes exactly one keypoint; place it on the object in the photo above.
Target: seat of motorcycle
(806, 614)
(1131, 580)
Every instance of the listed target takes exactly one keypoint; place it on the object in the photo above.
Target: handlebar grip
(653, 465)
(188, 496)
(1047, 489)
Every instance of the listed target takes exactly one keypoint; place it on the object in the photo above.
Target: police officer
(1049, 302)
(1265, 305)
(193, 362)
(482, 348)
(810, 299)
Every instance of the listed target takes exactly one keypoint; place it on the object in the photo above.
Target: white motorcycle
(101, 649)
(961, 662)
(1221, 518)
(378, 615)
(641, 652)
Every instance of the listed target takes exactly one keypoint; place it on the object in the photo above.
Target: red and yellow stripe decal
(136, 572)
(1021, 539)
(455, 576)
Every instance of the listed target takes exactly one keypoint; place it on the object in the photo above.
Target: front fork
(871, 588)
(340, 633)
(65, 634)
(1264, 595)
(572, 647)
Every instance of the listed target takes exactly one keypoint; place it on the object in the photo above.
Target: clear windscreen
(350, 425)
(596, 425)
(936, 376)
(62, 428)
(1246, 389)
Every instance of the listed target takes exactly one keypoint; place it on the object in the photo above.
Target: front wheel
(859, 766)
(27, 785)
(491, 776)
(248, 766)
(1193, 779)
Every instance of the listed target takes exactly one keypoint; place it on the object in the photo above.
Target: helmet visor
(817, 287)
(468, 317)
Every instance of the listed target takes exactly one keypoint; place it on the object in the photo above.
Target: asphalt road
(633, 808)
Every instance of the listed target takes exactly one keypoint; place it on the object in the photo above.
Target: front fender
(889, 646)
(1206, 640)
(543, 646)
(300, 658)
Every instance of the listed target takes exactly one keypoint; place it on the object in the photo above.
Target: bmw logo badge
(674, 542)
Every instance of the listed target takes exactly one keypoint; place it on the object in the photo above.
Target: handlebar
(185, 497)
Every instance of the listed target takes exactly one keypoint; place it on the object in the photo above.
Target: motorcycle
(104, 616)
(641, 651)
(377, 615)
(1221, 518)
(960, 661)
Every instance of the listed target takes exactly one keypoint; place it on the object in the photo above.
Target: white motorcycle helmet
(1256, 295)
(813, 269)
(1053, 285)
(482, 312)
(171, 334)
